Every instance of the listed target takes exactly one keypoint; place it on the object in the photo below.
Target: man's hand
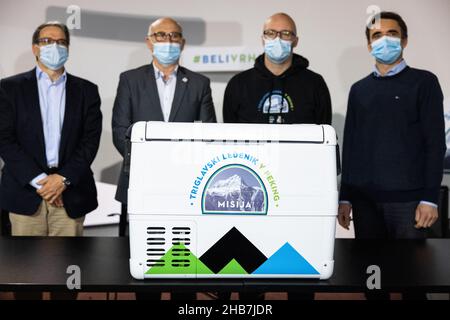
(52, 188)
(58, 202)
(426, 216)
(344, 215)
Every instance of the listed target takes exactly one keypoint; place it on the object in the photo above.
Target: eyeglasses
(390, 33)
(47, 41)
(283, 34)
(163, 36)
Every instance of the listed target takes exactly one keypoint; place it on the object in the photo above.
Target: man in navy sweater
(394, 143)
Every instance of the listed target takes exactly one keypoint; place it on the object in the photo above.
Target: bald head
(165, 30)
(165, 24)
(280, 21)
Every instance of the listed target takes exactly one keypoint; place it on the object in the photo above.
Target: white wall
(331, 37)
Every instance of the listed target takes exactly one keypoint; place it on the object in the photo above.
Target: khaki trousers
(47, 221)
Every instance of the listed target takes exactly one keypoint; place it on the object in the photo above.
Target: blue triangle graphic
(286, 261)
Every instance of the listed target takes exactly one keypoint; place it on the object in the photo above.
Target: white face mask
(167, 53)
(277, 50)
(387, 49)
(53, 56)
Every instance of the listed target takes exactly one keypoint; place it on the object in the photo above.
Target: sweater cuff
(431, 195)
(345, 193)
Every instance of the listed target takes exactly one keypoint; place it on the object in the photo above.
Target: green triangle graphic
(194, 265)
(233, 267)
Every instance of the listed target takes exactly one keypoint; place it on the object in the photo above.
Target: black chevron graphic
(233, 245)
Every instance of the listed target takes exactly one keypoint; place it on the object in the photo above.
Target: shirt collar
(159, 74)
(395, 70)
(42, 75)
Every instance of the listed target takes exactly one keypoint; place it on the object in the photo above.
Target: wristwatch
(66, 182)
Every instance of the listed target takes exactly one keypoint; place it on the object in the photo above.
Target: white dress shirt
(166, 90)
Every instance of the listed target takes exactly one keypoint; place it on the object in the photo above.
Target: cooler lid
(222, 132)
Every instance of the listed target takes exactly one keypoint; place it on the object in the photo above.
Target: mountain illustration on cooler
(232, 254)
(233, 251)
(235, 189)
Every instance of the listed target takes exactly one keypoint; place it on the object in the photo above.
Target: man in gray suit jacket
(161, 91)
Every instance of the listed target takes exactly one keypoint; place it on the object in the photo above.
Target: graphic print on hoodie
(299, 95)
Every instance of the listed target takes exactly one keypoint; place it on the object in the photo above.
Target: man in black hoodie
(279, 89)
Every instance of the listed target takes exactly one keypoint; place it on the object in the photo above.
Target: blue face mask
(277, 50)
(387, 50)
(167, 53)
(53, 56)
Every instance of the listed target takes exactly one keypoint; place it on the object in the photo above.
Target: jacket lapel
(34, 111)
(151, 90)
(73, 99)
(180, 89)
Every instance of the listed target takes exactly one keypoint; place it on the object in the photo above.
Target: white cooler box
(232, 200)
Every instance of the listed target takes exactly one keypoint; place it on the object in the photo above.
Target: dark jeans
(375, 220)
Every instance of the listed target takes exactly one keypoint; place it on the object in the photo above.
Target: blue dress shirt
(52, 102)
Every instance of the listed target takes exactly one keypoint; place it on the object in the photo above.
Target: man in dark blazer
(160, 91)
(50, 129)
(141, 90)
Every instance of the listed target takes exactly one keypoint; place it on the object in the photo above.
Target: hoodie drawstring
(280, 112)
(270, 97)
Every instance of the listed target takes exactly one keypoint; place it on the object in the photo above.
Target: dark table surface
(41, 263)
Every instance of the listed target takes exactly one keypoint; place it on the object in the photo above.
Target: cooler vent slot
(180, 263)
(160, 239)
(156, 241)
(156, 252)
(180, 256)
(155, 263)
(181, 230)
(156, 230)
(181, 241)
(155, 246)
(181, 236)
(181, 252)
